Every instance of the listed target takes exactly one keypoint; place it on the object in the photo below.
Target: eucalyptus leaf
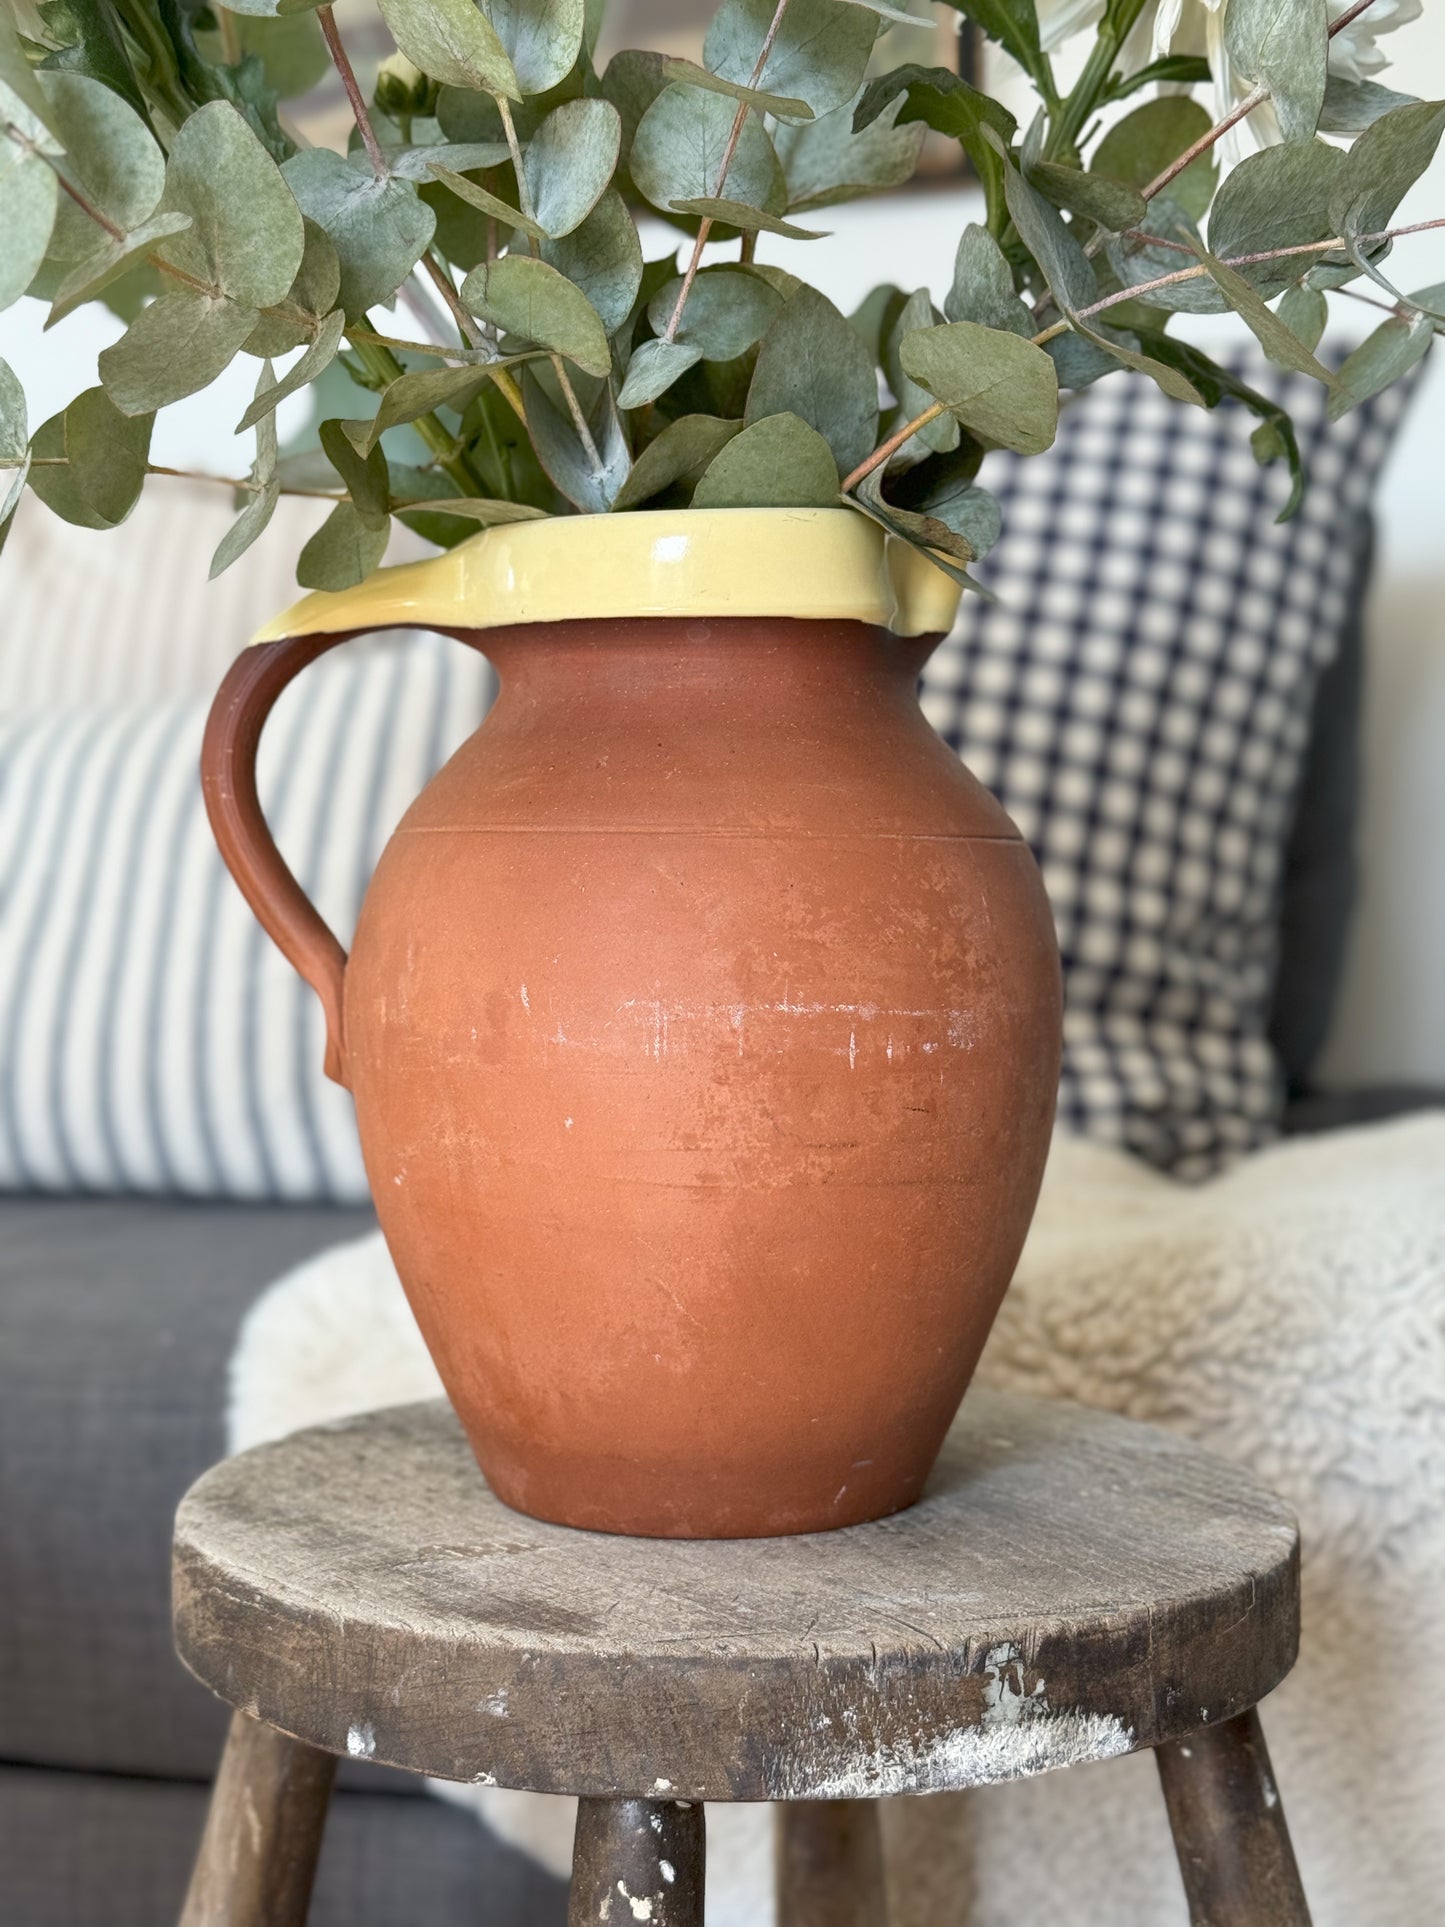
(603, 257)
(875, 315)
(342, 552)
(679, 455)
(983, 286)
(916, 526)
(813, 365)
(261, 506)
(1278, 198)
(825, 161)
(317, 358)
(1304, 311)
(28, 194)
(777, 461)
(379, 228)
(1138, 148)
(1277, 339)
(14, 426)
(934, 437)
(569, 163)
(1353, 105)
(739, 214)
(1275, 436)
(310, 299)
(1283, 45)
(365, 476)
(944, 488)
(1001, 388)
(50, 479)
(108, 453)
(1381, 358)
(110, 153)
(632, 82)
(527, 297)
(675, 68)
(1377, 172)
(453, 43)
(175, 347)
(932, 538)
(415, 163)
(413, 395)
(290, 49)
(246, 237)
(90, 276)
(819, 54)
(1161, 246)
(678, 150)
(488, 203)
(590, 486)
(542, 37)
(1110, 204)
(654, 367)
(1061, 260)
(485, 509)
(728, 311)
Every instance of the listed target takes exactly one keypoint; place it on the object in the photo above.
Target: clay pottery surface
(703, 1025)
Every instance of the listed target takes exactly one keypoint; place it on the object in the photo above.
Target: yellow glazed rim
(812, 563)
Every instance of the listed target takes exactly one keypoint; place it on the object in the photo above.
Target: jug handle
(228, 780)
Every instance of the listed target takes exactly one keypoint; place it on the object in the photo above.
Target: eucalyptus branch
(341, 61)
(579, 420)
(1256, 98)
(514, 148)
(473, 335)
(740, 119)
(1201, 268)
(247, 486)
(886, 450)
(23, 140)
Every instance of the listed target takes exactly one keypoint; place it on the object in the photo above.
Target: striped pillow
(152, 1039)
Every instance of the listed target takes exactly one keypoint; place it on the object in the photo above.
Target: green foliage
(778, 461)
(464, 289)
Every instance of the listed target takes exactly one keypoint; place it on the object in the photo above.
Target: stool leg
(257, 1858)
(1229, 1829)
(830, 1864)
(638, 1860)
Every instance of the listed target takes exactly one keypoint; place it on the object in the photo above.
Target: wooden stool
(1072, 1586)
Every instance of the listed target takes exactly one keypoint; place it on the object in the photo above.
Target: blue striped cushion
(151, 1037)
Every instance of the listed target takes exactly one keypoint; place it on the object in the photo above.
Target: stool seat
(1071, 1586)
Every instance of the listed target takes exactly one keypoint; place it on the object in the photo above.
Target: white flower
(1060, 20)
(1353, 53)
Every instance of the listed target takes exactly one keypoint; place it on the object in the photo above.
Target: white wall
(1392, 1016)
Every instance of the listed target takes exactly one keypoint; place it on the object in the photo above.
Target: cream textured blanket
(1291, 1315)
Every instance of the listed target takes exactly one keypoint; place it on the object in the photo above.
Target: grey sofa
(116, 1320)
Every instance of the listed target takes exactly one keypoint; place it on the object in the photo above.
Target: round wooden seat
(1072, 1586)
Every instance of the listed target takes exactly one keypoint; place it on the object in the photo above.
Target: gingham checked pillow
(1139, 700)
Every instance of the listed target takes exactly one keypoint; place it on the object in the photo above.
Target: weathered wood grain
(637, 1860)
(1229, 1829)
(257, 1858)
(830, 1864)
(1071, 1586)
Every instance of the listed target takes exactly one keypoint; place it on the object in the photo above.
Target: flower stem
(341, 61)
(734, 136)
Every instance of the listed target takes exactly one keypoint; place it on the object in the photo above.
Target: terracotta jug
(702, 1017)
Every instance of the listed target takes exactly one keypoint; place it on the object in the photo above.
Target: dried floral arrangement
(474, 260)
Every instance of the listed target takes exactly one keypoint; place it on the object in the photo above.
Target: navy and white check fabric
(1139, 701)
